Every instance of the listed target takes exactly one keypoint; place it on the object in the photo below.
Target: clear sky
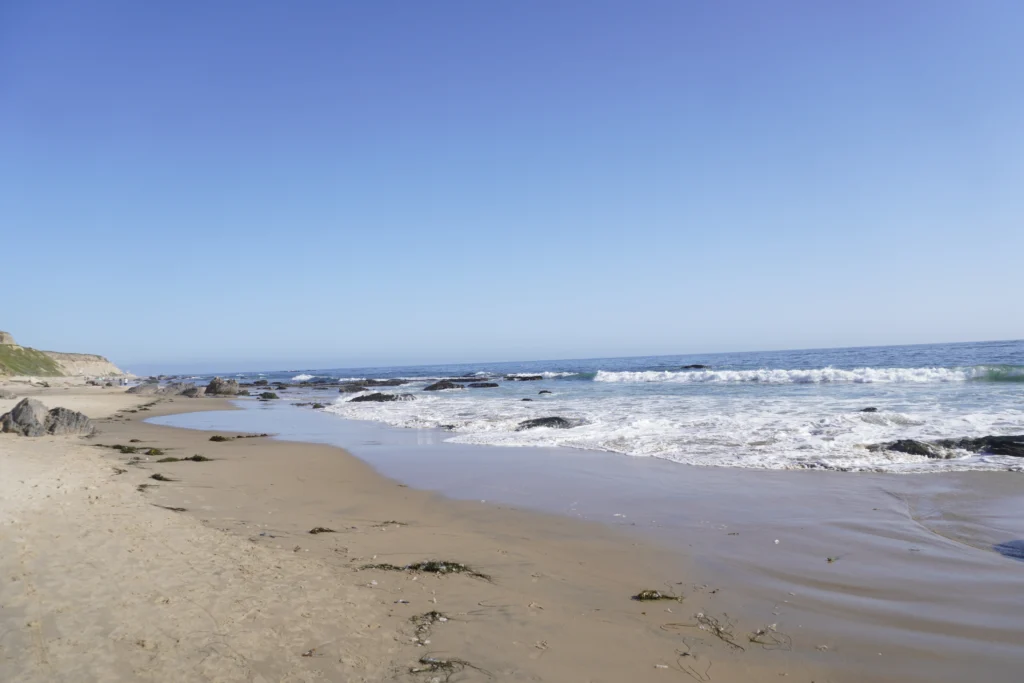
(240, 184)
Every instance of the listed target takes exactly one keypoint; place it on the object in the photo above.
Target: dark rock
(226, 387)
(66, 421)
(268, 396)
(523, 378)
(194, 392)
(384, 382)
(913, 447)
(381, 398)
(27, 418)
(988, 445)
(696, 366)
(869, 409)
(526, 399)
(942, 448)
(30, 418)
(260, 383)
(553, 422)
(443, 384)
(483, 385)
(543, 391)
(351, 388)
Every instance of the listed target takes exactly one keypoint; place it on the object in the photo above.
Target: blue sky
(242, 184)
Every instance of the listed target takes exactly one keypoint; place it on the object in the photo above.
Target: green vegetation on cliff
(19, 360)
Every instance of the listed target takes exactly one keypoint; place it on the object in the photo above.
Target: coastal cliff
(23, 360)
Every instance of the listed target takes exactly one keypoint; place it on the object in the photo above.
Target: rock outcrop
(381, 398)
(169, 389)
(6, 338)
(351, 388)
(31, 418)
(384, 382)
(66, 421)
(222, 387)
(949, 448)
(443, 384)
(988, 445)
(483, 385)
(553, 422)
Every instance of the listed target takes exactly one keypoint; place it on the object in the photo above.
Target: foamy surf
(800, 376)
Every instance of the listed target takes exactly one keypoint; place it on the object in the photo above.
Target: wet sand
(557, 606)
(915, 589)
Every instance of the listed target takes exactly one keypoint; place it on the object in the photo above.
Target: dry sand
(105, 585)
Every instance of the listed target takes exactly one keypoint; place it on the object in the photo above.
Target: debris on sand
(430, 567)
(448, 667)
(168, 507)
(651, 595)
(321, 530)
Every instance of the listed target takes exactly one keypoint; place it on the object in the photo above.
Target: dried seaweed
(430, 567)
(651, 595)
(770, 639)
(448, 667)
(168, 507)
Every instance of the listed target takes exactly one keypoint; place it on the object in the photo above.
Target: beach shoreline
(558, 606)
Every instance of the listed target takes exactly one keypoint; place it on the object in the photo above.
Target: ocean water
(773, 410)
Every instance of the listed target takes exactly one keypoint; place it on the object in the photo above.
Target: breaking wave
(990, 373)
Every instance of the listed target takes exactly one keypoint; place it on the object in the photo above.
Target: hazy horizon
(205, 368)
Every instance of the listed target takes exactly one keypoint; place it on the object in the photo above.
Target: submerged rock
(869, 409)
(945, 448)
(523, 378)
(260, 383)
(30, 418)
(381, 398)
(443, 384)
(553, 422)
(542, 392)
(351, 388)
(483, 385)
(988, 445)
(696, 366)
(912, 447)
(218, 385)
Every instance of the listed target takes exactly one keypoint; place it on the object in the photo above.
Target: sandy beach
(212, 574)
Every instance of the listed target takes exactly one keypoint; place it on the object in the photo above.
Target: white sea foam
(773, 431)
(545, 375)
(808, 376)
(302, 378)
